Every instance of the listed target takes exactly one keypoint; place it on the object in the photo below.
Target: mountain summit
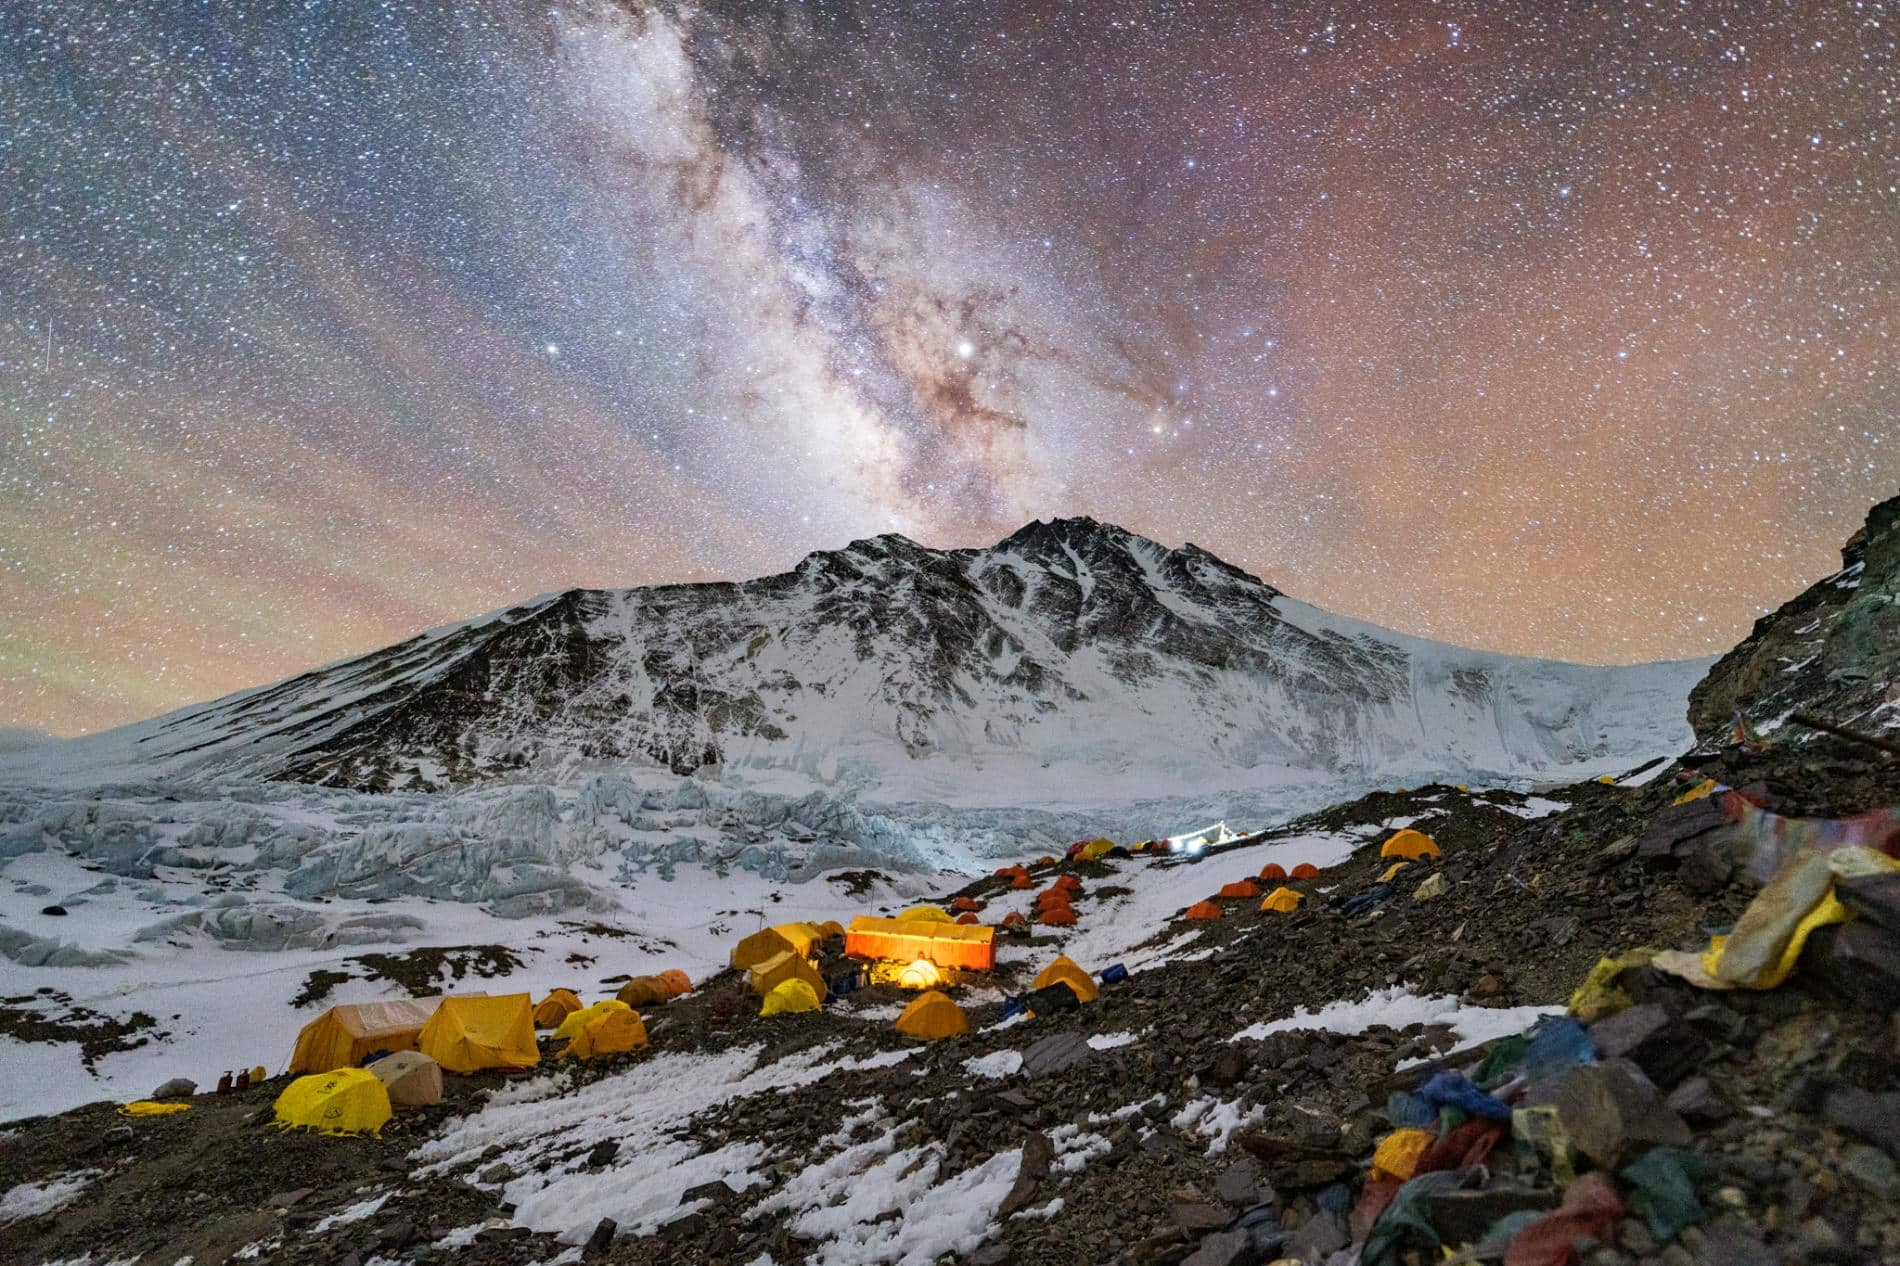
(1069, 644)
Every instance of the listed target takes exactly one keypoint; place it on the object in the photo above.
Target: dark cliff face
(1833, 651)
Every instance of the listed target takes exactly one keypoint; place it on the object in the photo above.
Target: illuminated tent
(1202, 910)
(1240, 888)
(920, 975)
(612, 1029)
(800, 938)
(1273, 870)
(343, 1101)
(1411, 845)
(1064, 971)
(781, 967)
(933, 1015)
(467, 1034)
(345, 1036)
(1282, 901)
(412, 1079)
(555, 1008)
(790, 997)
(1305, 870)
(946, 944)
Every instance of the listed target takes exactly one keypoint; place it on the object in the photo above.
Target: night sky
(1556, 328)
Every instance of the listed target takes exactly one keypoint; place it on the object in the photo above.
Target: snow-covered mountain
(1072, 658)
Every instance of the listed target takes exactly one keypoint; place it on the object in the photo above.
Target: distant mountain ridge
(1070, 644)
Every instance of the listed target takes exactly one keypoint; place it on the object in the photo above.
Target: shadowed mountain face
(1833, 651)
(1068, 644)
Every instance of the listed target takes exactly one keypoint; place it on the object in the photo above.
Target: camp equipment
(1282, 900)
(1412, 845)
(344, 1101)
(412, 1079)
(781, 967)
(467, 1034)
(945, 944)
(344, 1036)
(789, 998)
(1065, 971)
(556, 1007)
(799, 938)
(931, 1016)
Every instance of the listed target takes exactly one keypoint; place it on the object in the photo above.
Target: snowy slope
(1071, 654)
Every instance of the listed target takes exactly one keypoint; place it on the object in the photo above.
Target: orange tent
(905, 940)
(1240, 888)
(966, 905)
(1273, 870)
(1305, 870)
(1065, 971)
(967, 919)
(1002, 871)
(680, 983)
(1058, 916)
(1022, 881)
(556, 1007)
(1053, 897)
(1412, 845)
(1069, 882)
(1283, 901)
(1014, 920)
(1202, 910)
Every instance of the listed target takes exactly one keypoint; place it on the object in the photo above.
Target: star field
(1563, 329)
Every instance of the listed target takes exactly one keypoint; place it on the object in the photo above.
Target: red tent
(1273, 870)
(1306, 870)
(1240, 888)
(1058, 916)
(1203, 910)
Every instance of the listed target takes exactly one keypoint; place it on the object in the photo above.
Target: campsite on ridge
(1428, 1022)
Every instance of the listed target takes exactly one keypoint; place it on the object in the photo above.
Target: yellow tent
(1282, 901)
(579, 1019)
(613, 1029)
(789, 998)
(1608, 780)
(926, 914)
(1413, 846)
(467, 1034)
(555, 1008)
(933, 1015)
(345, 1101)
(1065, 971)
(1094, 850)
(799, 938)
(831, 928)
(781, 967)
(344, 1036)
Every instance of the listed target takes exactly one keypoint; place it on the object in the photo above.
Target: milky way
(1555, 328)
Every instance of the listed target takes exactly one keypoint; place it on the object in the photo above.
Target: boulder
(1611, 1111)
(176, 1088)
